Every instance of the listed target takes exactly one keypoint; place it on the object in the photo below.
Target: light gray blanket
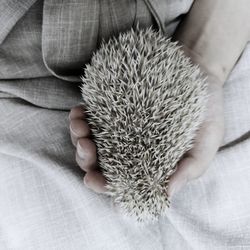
(43, 202)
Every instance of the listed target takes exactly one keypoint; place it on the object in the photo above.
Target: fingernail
(177, 186)
(80, 151)
(72, 131)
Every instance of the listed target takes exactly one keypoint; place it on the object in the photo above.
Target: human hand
(207, 142)
(86, 155)
(194, 163)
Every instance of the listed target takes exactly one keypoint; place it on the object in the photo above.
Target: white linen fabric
(44, 204)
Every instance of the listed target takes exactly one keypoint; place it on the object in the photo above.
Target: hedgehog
(145, 101)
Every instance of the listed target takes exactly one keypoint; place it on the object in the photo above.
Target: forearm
(214, 34)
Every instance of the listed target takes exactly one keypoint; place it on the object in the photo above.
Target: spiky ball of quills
(145, 101)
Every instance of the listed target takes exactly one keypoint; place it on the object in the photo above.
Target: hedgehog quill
(145, 101)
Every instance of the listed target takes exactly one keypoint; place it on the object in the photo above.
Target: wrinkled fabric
(43, 202)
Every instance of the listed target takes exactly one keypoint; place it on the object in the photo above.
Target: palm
(207, 142)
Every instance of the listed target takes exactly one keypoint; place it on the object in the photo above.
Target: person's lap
(44, 203)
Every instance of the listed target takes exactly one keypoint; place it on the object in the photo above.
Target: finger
(77, 112)
(85, 164)
(95, 181)
(86, 156)
(78, 129)
(180, 178)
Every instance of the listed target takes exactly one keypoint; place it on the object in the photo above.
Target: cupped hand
(207, 142)
(85, 154)
(193, 164)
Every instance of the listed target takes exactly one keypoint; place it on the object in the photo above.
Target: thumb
(188, 168)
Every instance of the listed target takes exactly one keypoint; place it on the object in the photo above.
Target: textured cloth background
(43, 202)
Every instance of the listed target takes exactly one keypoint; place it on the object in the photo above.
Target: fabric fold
(69, 36)
(168, 13)
(10, 12)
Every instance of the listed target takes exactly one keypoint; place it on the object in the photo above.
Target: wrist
(215, 34)
(212, 78)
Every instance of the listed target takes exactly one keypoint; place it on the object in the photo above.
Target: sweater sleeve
(214, 34)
